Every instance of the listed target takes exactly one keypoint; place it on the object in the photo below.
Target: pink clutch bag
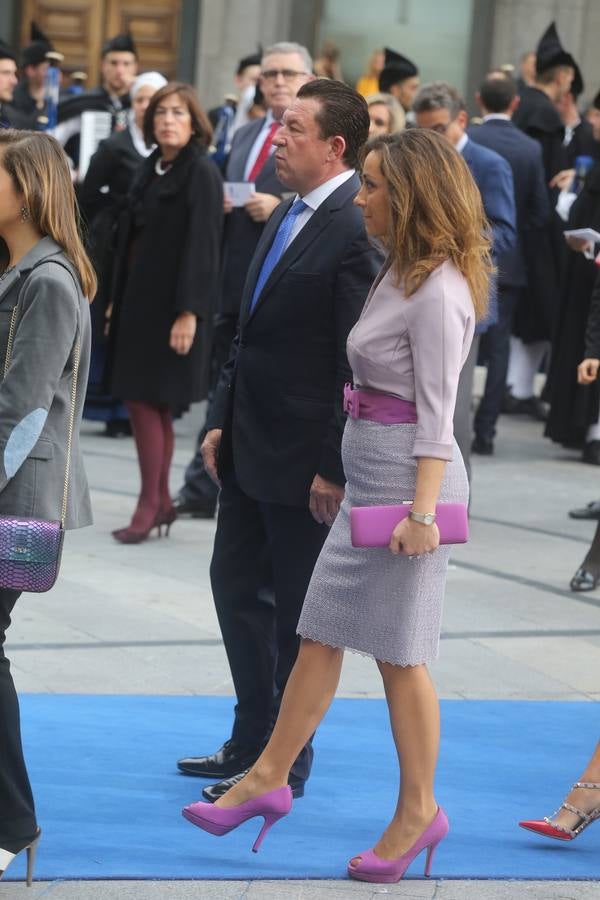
(372, 526)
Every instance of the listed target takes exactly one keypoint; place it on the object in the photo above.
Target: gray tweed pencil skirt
(368, 600)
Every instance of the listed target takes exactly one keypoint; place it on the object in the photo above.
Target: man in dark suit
(251, 160)
(498, 99)
(276, 421)
(440, 107)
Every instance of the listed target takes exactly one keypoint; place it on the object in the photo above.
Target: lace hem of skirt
(392, 662)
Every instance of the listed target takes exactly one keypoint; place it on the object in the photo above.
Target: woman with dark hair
(164, 292)
(102, 196)
(406, 352)
(44, 356)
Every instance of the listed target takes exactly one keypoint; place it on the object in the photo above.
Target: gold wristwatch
(422, 518)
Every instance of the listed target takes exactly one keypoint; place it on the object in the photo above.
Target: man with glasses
(439, 106)
(285, 67)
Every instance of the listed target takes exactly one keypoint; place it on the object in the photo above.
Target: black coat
(592, 334)
(279, 399)
(167, 263)
(545, 252)
(574, 407)
(582, 143)
(537, 116)
(113, 166)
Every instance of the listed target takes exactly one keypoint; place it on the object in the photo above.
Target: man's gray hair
(438, 95)
(290, 47)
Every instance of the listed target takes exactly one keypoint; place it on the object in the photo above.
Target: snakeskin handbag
(31, 549)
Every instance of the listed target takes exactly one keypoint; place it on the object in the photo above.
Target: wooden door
(78, 28)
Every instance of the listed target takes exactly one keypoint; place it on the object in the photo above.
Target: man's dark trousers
(253, 623)
(494, 349)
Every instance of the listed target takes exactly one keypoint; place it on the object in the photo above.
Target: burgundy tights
(153, 432)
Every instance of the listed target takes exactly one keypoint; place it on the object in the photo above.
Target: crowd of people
(326, 268)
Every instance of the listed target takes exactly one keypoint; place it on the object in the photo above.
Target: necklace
(161, 168)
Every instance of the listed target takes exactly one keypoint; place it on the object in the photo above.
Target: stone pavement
(139, 630)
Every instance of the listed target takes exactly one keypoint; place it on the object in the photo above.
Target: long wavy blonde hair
(40, 172)
(436, 212)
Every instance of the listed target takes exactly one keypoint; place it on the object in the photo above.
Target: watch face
(429, 519)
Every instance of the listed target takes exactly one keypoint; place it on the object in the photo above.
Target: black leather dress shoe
(214, 791)
(526, 406)
(583, 580)
(591, 453)
(591, 511)
(482, 446)
(195, 509)
(228, 760)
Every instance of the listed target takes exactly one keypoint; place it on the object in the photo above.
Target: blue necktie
(277, 247)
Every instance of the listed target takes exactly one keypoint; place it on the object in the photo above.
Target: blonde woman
(45, 279)
(385, 115)
(406, 353)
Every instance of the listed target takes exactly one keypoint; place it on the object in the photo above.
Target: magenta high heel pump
(271, 806)
(388, 871)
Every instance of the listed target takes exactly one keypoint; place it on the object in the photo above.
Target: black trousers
(263, 559)
(198, 486)
(17, 812)
(494, 351)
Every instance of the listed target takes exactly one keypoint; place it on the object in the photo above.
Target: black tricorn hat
(550, 52)
(6, 52)
(35, 52)
(577, 85)
(396, 68)
(122, 43)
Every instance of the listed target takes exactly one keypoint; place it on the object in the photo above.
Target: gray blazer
(35, 393)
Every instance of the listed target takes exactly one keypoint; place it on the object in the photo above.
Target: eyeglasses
(288, 74)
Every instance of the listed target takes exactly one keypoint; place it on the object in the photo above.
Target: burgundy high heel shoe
(165, 517)
(272, 806)
(547, 828)
(131, 535)
(6, 857)
(388, 871)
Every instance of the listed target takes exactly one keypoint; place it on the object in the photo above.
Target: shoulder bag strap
(76, 358)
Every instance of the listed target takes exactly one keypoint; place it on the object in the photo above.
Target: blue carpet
(109, 796)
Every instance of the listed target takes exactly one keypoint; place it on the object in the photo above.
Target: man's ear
(463, 118)
(338, 147)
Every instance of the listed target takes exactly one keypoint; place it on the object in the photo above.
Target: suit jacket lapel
(261, 251)
(317, 222)
(239, 155)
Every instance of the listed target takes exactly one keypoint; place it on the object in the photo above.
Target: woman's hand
(183, 333)
(410, 538)
(587, 371)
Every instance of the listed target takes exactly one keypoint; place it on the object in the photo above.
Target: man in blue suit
(498, 99)
(440, 107)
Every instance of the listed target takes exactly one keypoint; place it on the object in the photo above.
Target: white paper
(584, 234)
(95, 127)
(239, 192)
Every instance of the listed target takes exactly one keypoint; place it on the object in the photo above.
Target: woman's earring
(24, 214)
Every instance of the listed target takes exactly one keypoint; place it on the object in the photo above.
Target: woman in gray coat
(45, 279)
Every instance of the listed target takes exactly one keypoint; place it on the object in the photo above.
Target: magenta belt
(378, 407)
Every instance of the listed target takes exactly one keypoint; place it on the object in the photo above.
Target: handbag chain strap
(76, 357)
